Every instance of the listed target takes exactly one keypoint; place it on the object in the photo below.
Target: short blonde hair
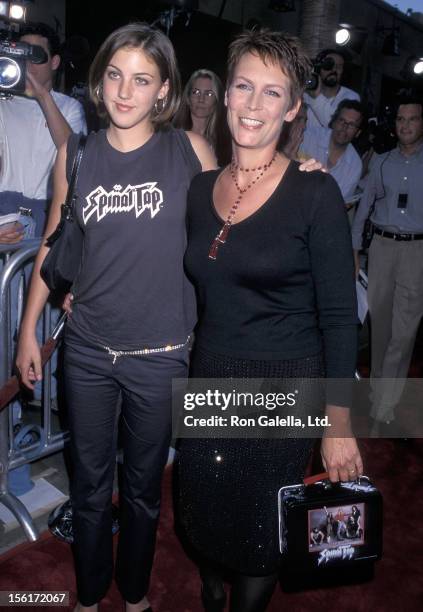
(279, 48)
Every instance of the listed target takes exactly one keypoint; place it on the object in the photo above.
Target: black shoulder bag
(62, 262)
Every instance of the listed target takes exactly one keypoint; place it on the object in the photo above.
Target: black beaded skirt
(228, 506)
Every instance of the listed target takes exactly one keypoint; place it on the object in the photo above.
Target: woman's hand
(341, 458)
(67, 304)
(340, 455)
(311, 164)
(28, 360)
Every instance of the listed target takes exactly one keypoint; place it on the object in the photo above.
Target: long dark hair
(157, 47)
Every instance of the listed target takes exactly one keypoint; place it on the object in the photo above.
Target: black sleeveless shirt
(131, 291)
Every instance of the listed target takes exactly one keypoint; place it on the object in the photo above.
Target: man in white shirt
(325, 99)
(332, 146)
(32, 128)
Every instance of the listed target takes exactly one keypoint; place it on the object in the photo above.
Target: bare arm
(203, 151)
(28, 359)
(56, 123)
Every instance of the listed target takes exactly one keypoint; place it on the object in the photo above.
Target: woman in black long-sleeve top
(270, 254)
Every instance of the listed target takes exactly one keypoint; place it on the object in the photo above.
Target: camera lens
(10, 73)
(312, 82)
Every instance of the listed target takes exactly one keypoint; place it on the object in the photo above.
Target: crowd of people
(248, 246)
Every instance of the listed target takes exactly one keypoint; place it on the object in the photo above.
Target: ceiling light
(17, 11)
(418, 66)
(342, 36)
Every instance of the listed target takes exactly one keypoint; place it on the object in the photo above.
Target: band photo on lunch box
(330, 526)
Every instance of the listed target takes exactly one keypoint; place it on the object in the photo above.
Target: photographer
(32, 128)
(325, 99)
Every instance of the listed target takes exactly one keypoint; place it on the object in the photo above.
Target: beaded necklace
(223, 233)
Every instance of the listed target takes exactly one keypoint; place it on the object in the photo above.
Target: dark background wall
(202, 43)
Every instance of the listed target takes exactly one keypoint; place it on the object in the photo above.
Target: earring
(99, 92)
(158, 108)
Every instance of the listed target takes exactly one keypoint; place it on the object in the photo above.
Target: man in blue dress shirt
(395, 291)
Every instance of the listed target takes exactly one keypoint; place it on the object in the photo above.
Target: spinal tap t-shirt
(132, 291)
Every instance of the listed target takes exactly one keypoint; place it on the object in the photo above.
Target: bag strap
(70, 200)
(325, 476)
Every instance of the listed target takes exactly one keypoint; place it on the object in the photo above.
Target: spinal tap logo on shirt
(136, 198)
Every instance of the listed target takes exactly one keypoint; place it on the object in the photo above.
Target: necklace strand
(224, 231)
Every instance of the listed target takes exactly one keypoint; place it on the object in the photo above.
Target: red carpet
(396, 468)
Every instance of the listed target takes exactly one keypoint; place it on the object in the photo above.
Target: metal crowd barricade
(15, 257)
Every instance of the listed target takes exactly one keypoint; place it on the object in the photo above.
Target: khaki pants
(395, 297)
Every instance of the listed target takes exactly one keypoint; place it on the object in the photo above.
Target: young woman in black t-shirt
(133, 183)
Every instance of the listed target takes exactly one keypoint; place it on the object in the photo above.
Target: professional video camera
(325, 63)
(13, 58)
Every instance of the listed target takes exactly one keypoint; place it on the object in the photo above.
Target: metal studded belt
(146, 351)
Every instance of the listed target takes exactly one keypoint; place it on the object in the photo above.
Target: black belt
(399, 237)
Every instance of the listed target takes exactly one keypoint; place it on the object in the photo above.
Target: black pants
(93, 386)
